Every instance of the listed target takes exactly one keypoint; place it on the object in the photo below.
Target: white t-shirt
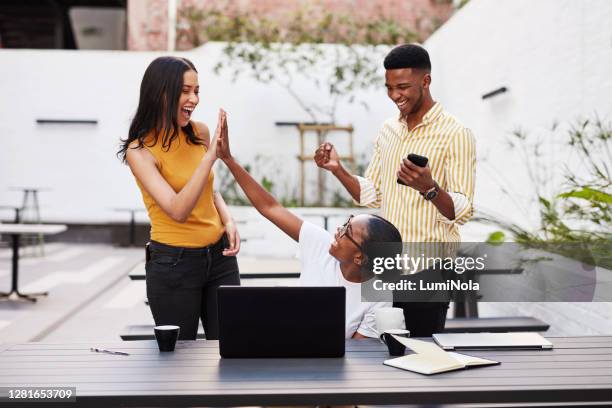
(319, 268)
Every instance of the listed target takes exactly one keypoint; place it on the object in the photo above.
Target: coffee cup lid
(397, 331)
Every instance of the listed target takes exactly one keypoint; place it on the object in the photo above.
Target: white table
(16, 231)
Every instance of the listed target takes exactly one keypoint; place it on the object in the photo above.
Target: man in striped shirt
(433, 200)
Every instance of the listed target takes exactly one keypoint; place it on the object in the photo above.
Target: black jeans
(182, 285)
(424, 318)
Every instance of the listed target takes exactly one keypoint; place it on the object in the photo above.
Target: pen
(99, 350)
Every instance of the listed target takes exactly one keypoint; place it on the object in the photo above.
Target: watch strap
(431, 193)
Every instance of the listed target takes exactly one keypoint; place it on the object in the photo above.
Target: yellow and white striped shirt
(451, 150)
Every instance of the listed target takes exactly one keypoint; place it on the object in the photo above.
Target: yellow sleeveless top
(203, 226)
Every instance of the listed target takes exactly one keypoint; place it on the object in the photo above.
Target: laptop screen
(281, 321)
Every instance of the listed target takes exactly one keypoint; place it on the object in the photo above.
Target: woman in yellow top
(194, 241)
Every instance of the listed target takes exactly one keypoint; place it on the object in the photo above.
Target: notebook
(528, 340)
(431, 359)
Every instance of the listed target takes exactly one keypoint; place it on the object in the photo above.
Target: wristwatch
(431, 193)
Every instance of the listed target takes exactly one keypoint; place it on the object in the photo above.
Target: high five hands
(219, 146)
(211, 153)
(222, 142)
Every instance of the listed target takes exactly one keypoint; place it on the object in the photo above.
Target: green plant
(264, 168)
(576, 216)
(462, 3)
(291, 52)
(229, 189)
(340, 200)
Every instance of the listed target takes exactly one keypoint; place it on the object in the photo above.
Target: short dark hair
(380, 231)
(408, 56)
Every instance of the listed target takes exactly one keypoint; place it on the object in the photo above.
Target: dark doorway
(43, 23)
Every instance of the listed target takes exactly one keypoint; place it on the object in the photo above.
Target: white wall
(78, 163)
(555, 56)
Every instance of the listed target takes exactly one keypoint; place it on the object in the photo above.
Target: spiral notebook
(431, 359)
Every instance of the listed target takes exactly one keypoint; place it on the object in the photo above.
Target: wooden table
(16, 231)
(578, 369)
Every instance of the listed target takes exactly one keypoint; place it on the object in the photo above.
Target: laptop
(281, 321)
(527, 340)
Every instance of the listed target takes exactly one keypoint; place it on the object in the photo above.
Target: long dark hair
(160, 90)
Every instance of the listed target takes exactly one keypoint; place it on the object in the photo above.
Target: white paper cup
(388, 318)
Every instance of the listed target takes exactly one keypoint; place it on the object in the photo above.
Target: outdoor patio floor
(91, 297)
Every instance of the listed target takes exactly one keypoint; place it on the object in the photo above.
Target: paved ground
(90, 294)
(92, 299)
(77, 277)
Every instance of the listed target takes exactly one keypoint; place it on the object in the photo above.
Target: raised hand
(327, 158)
(211, 153)
(223, 148)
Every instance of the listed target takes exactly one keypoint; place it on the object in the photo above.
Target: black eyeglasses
(346, 231)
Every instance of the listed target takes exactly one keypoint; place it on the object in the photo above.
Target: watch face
(430, 195)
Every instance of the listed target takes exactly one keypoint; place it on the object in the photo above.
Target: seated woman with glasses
(327, 260)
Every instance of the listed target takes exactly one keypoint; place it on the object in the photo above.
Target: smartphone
(420, 161)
